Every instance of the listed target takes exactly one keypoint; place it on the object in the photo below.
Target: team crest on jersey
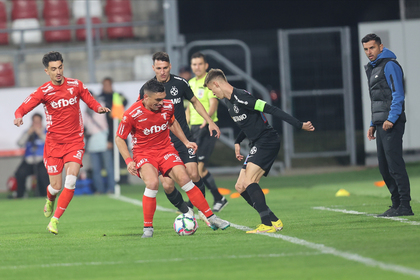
(174, 91)
(253, 150)
(200, 93)
(235, 108)
(191, 151)
(164, 115)
(71, 90)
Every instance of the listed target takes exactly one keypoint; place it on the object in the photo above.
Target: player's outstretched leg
(149, 209)
(219, 201)
(49, 204)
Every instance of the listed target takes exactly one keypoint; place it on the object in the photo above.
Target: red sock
(149, 208)
(197, 199)
(49, 195)
(63, 201)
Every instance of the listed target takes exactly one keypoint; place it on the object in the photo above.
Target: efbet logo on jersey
(155, 129)
(64, 102)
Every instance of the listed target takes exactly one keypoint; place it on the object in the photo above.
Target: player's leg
(71, 170)
(173, 195)
(180, 176)
(54, 168)
(149, 174)
(192, 171)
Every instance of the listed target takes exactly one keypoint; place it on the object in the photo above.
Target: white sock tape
(150, 193)
(70, 182)
(188, 186)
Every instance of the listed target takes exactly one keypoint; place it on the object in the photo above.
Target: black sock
(201, 186)
(245, 195)
(176, 199)
(258, 199)
(211, 185)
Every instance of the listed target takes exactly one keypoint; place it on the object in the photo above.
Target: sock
(245, 195)
(149, 207)
(197, 198)
(201, 186)
(211, 185)
(258, 199)
(51, 193)
(176, 199)
(63, 201)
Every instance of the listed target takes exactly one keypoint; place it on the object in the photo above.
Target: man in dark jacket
(386, 89)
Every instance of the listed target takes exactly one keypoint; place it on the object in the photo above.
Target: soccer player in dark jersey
(177, 89)
(148, 121)
(247, 112)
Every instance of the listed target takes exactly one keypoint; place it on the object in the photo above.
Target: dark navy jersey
(177, 89)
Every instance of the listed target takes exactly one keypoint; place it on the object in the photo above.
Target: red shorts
(57, 154)
(163, 160)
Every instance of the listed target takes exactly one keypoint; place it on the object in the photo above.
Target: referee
(247, 112)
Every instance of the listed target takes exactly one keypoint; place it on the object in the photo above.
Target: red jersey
(62, 109)
(149, 129)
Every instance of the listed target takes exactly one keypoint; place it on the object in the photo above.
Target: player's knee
(153, 184)
(239, 187)
(70, 182)
(168, 188)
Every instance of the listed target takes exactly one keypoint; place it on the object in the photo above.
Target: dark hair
(198, 55)
(213, 74)
(51, 56)
(162, 56)
(153, 86)
(107, 79)
(36, 115)
(185, 69)
(371, 37)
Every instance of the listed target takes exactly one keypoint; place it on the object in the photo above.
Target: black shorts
(204, 141)
(263, 153)
(187, 155)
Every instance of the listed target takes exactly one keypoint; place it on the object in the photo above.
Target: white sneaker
(217, 223)
(219, 205)
(204, 218)
(147, 232)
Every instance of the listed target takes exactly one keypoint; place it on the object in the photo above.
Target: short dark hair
(162, 56)
(51, 56)
(153, 86)
(198, 55)
(36, 115)
(371, 37)
(214, 74)
(107, 79)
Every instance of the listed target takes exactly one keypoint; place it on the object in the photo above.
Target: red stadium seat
(57, 35)
(7, 77)
(81, 33)
(119, 32)
(4, 38)
(3, 14)
(24, 9)
(56, 9)
(118, 7)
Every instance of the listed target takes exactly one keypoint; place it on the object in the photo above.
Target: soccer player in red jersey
(64, 146)
(148, 121)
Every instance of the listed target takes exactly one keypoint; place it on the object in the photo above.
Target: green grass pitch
(99, 236)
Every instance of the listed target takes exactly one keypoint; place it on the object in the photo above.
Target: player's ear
(46, 71)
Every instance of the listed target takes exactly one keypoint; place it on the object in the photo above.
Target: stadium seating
(79, 8)
(119, 32)
(29, 37)
(118, 7)
(7, 77)
(81, 33)
(57, 35)
(3, 14)
(142, 69)
(55, 9)
(4, 38)
(22, 9)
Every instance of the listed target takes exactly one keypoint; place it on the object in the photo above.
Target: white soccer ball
(185, 224)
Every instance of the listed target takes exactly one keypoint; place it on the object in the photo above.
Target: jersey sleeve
(171, 121)
(189, 94)
(125, 127)
(87, 97)
(33, 100)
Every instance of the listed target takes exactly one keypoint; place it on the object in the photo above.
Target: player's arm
(28, 105)
(177, 131)
(214, 103)
(122, 147)
(241, 136)
(202, 112)
(87, 97)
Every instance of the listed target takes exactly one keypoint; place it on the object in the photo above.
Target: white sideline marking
(319, 247)
(402, 220)
(159, 260)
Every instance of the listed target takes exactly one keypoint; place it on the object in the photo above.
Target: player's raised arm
(33, 100)
(202, 112)
(177, 131)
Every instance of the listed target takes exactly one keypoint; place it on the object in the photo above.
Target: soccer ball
(185, 224)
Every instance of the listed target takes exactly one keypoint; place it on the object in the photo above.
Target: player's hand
(102, 110)
(213, 126)
(18, 122)
(131, 168)
(308, 126)
(387, 125)
(191, 145)
(371, 133)
(203, 124)
(238, 152)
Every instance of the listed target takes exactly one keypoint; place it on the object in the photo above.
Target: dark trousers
(391, 162)
(24, 170)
